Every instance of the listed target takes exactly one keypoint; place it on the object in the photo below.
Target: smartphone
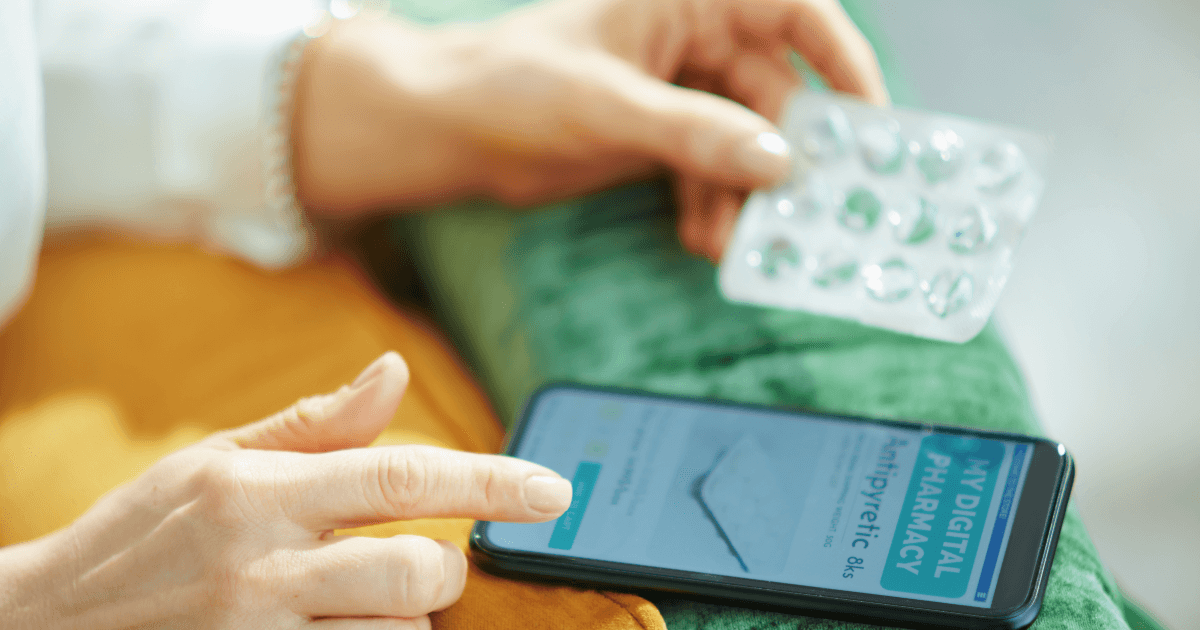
(899, 523)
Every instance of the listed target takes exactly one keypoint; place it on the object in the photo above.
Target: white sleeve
(162, 118)
(22, 156)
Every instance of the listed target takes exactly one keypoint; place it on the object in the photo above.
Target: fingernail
(456, 570)
(773, 143)
(359, 392)
(373, 371)
(548, 494)
(766, 156)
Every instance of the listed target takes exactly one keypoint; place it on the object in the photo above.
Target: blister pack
(900, 219)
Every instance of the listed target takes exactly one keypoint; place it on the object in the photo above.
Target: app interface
(762, 495)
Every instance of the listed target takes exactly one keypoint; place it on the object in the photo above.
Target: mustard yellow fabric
(127, 351)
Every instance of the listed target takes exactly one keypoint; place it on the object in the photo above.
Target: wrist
(29, 576)
(46, 584)
(377, 120)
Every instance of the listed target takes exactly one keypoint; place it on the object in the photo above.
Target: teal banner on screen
(944, 516)
(567, 525)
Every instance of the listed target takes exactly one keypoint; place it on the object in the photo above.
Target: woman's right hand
(565, 97)
(237, 530)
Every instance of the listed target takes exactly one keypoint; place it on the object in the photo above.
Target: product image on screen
(773, 496)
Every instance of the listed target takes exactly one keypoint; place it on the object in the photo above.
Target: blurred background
(1103, 309)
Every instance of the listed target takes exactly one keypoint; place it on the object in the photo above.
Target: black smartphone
(900, 523)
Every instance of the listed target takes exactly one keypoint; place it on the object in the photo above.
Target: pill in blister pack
(899, 219)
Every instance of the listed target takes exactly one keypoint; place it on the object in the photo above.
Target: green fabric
(597, 290)
(1138, 618)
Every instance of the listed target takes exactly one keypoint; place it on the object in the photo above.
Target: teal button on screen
(568, 524)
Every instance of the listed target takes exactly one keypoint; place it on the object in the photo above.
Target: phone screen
(775, 496)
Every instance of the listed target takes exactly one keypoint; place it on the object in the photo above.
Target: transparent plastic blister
(899, 219)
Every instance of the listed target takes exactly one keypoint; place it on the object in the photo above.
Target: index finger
(822, 33)
(357, 487)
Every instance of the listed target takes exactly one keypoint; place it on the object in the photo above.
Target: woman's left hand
(567, 97)
(237, 532)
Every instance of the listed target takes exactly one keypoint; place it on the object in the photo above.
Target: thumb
(696, 132)
(353, 416)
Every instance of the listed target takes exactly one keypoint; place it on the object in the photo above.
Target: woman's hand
(567, 97)
(237, 531)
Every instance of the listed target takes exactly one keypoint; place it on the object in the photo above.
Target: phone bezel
(1020, 583)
